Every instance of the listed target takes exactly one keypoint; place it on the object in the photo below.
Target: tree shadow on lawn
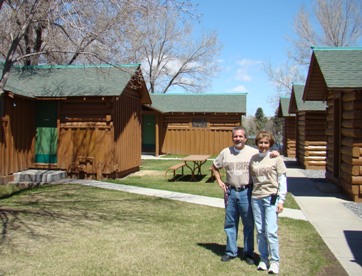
(29, 216)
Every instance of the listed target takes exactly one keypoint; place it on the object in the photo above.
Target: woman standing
(269, 191)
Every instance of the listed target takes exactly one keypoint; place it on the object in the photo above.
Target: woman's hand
(280, 208)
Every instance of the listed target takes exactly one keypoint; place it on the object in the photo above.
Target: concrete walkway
(323, 206)
(340, 229)
(195, 199)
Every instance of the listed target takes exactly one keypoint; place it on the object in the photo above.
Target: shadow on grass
(18, 190)
(219, 250)
(216, 248)
(62, 206)
(187, 178)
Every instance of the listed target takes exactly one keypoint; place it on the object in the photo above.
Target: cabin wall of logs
(344, 142)
(289, 137)
(311, 139)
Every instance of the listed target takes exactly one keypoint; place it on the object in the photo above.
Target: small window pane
(200, 123)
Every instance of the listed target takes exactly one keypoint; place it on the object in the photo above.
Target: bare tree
(43, 31)
(331, 23)
(339, 22)
(66, 31)
(283, 78)
(170, 54)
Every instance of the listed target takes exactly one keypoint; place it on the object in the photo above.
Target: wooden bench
(174, 168)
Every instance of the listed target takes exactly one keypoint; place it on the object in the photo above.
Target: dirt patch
(146, 173)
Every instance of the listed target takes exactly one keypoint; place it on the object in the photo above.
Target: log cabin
(310, 129)
(289, 129)
(335, 76)
(191, 123)
(83, 119)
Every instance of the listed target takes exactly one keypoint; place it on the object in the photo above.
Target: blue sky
(251, 32)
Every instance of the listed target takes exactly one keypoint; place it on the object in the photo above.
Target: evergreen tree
(260, 120)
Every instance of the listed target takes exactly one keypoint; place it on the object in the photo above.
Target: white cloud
(242, 75)
(239, 88)
(245, 69)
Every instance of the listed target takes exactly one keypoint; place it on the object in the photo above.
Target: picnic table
(194, 162)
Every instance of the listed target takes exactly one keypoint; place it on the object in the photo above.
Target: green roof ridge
(76, 66)
(334, 48)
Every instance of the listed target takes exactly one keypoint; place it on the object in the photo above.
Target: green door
(148, 133)
(46, 143)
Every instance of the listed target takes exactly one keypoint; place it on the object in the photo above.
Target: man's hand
(222, 185)
(274, 154)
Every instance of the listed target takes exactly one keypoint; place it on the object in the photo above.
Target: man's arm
(216, 173)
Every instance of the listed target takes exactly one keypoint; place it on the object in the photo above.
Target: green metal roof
(341, 66)
(72, 80)
(333, 68)
(210, 103)
(297, 103)
(283, 108)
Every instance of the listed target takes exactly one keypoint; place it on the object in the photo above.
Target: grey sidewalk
(340, 229)
(195, 199)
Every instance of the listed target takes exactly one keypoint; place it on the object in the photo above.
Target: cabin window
(199, 123)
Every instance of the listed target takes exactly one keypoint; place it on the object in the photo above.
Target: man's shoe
(263, 265)
(226, 258)
(274, 268)
(249, 260)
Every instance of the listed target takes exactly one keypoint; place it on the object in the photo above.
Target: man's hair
(265, 134)
(239, 128)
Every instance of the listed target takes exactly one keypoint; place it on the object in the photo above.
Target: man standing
(238, 188)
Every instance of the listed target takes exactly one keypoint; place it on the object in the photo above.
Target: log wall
(311, 140)
(347, 171)
(289, 138)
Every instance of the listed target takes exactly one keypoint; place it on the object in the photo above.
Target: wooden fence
(180, 140)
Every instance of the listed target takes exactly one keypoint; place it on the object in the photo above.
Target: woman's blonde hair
(265, 134)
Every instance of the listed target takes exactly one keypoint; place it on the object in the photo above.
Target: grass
(80, 230)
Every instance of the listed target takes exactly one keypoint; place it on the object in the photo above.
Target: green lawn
(79, 230)
(82, 230)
